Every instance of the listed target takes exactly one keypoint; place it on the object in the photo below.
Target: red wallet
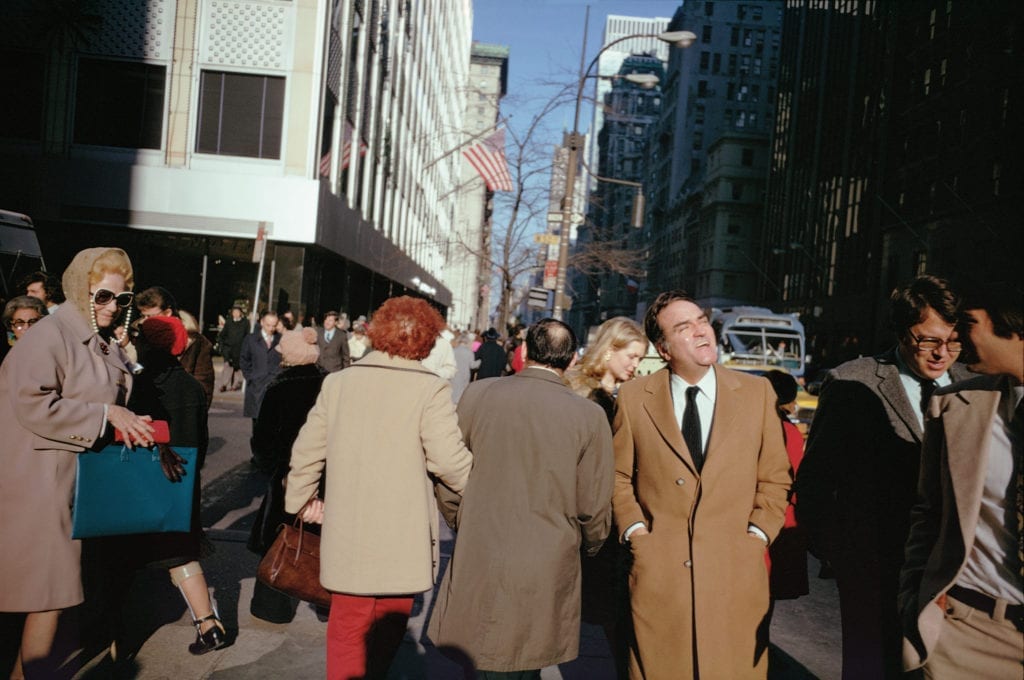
(161, 433)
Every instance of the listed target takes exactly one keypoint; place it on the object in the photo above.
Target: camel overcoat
(53, 387)
(383, 427)
(699, 581)
(541, 486)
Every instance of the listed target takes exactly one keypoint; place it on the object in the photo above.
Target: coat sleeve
(595, 478)
(624, 503)
(309, 453)
(817, 481)
(774, 477)
(266, 449)
(38, 400)
(925, 519)
(447, 456)
(204, 368)
(245, 358)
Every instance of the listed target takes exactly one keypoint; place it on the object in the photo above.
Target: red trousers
(363, 634)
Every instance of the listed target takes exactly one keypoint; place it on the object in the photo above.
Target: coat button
(687, 564)
(680, 481)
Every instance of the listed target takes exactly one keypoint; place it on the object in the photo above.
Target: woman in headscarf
(282, 414)
(384, 427)
(60, 394)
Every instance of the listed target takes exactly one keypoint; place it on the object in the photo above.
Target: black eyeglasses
(103, 297)
(20, 324)
(932, 344)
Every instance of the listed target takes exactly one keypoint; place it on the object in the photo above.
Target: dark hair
(908, 304)
(784, 385)
(156, 296)
(651, 327)
(1004, 304)
(405, 327)
(549, 342)
(268, 312)
(51, 285)
(332, 313)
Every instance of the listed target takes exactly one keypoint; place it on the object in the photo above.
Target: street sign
(538, 297)
(546, 239)
(260, 246)
(550, 274)
(554, 217)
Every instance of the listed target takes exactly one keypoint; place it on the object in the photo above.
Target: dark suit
(334, 355)
(954, 464)
(854, 490)
(259, 365)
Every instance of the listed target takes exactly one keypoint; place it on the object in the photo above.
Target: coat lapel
(658, 404)
(965, 431)
(727, 418)
(891, 388)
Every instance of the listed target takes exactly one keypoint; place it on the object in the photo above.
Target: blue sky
(545, 37)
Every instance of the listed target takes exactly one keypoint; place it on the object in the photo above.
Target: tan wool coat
(541, 487)
(53, 386)
(698, 580)
(383, 428)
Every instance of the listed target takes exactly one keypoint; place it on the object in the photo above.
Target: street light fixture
(573, 141)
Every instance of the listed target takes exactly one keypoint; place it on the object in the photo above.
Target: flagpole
(497, 124)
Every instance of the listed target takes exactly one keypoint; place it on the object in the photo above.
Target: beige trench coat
(380, 426)
(53, 386)
(541, 486)
(698, 579)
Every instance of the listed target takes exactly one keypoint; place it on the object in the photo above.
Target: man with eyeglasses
(858, 478)
(962, 586)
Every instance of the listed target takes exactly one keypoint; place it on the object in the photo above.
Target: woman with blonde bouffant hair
(60, 394)
(382, 429)
(610, 360)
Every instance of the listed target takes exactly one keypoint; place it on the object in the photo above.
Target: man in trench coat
(541, 484)
(697, 516)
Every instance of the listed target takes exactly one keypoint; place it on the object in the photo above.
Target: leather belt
(982, 602)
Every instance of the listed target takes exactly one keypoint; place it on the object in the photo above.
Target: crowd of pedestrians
(672, 508)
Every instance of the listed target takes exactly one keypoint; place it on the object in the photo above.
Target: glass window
(706, 35)
(119, 103)
(240, 114)
(22, 73)
(748, 157)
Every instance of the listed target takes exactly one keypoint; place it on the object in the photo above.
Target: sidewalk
(806, 630)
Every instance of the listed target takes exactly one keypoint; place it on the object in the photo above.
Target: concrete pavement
(805, 632)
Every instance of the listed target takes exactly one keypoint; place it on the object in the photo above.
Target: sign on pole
(538, 298)
(550, 274)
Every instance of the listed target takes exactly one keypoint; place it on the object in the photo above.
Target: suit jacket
(954, 463)
(53, 386)
(334, 355)
(541, 486)
(259, 364)
(698, 579)
(854, 492)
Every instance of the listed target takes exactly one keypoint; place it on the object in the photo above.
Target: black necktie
(928, 388)
(691, 428)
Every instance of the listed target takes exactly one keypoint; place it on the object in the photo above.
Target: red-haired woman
(384, 427)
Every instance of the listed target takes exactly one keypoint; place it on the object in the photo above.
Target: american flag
(346, 153)
(488, 158)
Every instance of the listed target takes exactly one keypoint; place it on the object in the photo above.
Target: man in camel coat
(701, 477)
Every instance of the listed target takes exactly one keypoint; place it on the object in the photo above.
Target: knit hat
(165, 333)
(298, 347)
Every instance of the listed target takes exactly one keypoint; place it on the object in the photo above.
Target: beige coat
(699, 580)
(945, 518)
(53, 386)
(382, 427)
(541, 486)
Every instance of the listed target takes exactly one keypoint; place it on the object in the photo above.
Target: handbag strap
(298, 520)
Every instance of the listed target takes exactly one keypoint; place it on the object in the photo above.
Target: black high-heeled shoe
(215, 638)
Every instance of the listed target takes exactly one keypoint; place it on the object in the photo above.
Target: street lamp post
(573, 141)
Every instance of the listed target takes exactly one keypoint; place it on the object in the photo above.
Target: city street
(805, 632)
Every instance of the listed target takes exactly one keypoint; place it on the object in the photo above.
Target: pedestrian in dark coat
(492, 357)
(230, 341)
(260, 363)
(283, 413)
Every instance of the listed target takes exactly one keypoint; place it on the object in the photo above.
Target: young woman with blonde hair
(610, 360)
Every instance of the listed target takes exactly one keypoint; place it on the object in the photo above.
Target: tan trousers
(974, 645)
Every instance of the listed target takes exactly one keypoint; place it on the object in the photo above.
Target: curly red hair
(405, 327)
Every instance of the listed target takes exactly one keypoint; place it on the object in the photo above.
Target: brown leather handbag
(292, 565)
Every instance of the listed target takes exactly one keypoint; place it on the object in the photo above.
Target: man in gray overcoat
(541, 485)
